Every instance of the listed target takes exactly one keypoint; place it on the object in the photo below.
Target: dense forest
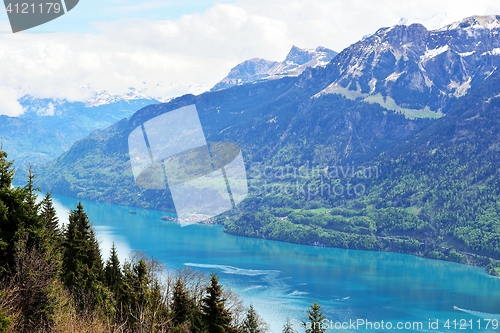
(54, 279)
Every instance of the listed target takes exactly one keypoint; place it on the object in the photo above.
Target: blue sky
(81, 19)
(169, 48)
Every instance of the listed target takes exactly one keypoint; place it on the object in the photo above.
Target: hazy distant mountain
(50, 127)
(71, 120)
(257, 69)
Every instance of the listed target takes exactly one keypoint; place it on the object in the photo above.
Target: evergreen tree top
(316, 318)
(6, 171)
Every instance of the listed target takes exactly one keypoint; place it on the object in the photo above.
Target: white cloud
(8, 102)
(48, 111)
(195, 51)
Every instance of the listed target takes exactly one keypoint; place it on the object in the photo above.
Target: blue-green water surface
(281, 280)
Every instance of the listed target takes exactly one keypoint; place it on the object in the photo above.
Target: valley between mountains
(415, 112)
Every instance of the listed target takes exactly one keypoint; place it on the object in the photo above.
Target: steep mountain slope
(449, 173)
(257, 69)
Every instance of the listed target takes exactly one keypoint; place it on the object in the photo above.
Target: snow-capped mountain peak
(299, 56)
(256, 69)
(475, 22)
(299, 59)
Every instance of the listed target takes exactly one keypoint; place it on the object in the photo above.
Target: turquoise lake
(281, 280)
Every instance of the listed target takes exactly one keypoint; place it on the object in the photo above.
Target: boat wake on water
(478, 313)
(234, 270)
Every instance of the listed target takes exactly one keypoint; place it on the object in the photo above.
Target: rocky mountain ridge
(407, 68)
(257, 69)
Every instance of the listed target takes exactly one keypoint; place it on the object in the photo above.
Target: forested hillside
(274, 123)
(434, 195)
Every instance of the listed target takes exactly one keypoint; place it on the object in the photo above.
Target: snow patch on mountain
(460, 88)
(466, 54)
(429, 54)
(495, 51)
(299, 59)
(394, 76)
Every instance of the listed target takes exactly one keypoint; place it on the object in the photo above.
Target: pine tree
(113, 272)
(141, 279)
(31, 230)
(30, 192)
(215, 315)
(135, 293)
(27, 263)
(158, 307)
(316, 319)
(50, 222)
(82, 263)
(288, 327)
(6, 171)
(19, 220)
(49, 214)
(253, 323)
(182, 305)
(8, 227)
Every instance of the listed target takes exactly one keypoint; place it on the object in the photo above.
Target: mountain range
(50, 126)
(417, 107)
(410, 68)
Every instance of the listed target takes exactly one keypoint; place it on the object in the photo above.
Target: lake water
(281, 280)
